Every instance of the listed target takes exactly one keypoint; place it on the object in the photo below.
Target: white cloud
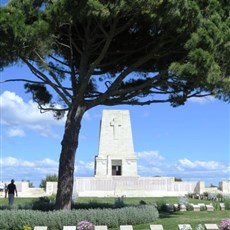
(208, 171)
(152, 163)
(149, 170)
(35, 171)
(150, 156)
(146, 113)
(87, 116)
(14, 162)
(202, 100)
(47, 162)
(82, 167)
(208, 165)
(15, 132)
(18, 116)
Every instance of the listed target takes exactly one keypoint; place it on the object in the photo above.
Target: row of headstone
(189, 227)
(198, 207)
(130, 227)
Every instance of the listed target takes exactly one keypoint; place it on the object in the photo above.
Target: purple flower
(85, 225)
(225, 224)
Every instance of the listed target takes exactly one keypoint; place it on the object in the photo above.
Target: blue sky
(191, 142)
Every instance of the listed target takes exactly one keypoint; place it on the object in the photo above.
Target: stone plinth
(196, 207)
(69, 227)
(40, 228)
(182, 208)
(126, 227)
(209, 207)
(100, 227)
(211, 227)
(156, 227)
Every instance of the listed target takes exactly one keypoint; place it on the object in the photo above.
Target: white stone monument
(115, 172)
(116, 155)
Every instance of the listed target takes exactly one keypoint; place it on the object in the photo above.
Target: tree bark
(67, 158)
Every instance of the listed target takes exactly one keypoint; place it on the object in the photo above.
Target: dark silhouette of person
(11, 191)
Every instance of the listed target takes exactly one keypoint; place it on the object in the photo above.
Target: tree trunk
(67, 158)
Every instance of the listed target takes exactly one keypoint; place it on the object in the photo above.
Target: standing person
(11, 190)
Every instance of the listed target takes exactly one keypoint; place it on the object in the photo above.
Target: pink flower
(85, 225)
(225, 224)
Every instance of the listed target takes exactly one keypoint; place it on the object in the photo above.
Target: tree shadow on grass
(163, 215)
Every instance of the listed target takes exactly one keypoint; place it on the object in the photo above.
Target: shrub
(119, 202)
(161, 205)
(55, 220)
(183, 200)
(189, 207)
(44, 204)
(227, 204)
(216, 205)
(205, 194)
(203, 208)
(142, 202)
(49, 177)
(169, 208)
(219, 196)
(92, 205)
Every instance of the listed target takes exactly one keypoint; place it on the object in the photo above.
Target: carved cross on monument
(115, 123)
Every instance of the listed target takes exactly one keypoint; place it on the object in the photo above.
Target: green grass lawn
(111, 200)
(168, 220)
(136, 200)
(17, 200)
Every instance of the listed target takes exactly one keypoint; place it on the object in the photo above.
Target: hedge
(55, 220)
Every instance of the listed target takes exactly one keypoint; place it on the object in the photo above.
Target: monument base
(134, 187)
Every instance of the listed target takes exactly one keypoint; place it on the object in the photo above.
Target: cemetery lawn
(137, 200)
(168, 220)
(110, 200)
(171, 220)
(17, 201)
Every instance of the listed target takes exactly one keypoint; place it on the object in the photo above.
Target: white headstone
(116, 153)
(211, 227)
(156, 227)
(69, 227)
(40, 228)
(100, 227)
(126, 227)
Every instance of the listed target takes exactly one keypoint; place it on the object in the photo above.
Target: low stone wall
(134, 187)
(124, 186)
(24, 190)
